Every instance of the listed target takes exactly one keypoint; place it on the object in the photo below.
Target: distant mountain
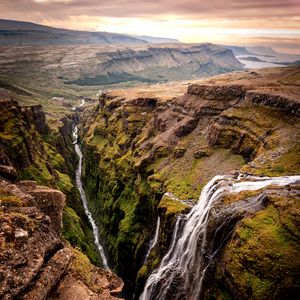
(16, 33)
(156, 40)
(159, 63)
(238, 50)
(261, 50)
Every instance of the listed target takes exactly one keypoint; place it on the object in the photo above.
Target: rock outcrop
(34, 259)
(136, 150)
(158, 64)
(29, 150)
(35, 219)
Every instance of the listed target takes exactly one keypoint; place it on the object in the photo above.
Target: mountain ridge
(21, 33)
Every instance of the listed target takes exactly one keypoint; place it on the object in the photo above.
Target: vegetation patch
(110, 78)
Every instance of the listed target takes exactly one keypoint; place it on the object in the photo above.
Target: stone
(179, 152)
(200, 153)
(8, 172)
(21, 234)
(51, 202)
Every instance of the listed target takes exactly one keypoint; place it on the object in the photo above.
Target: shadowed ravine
(153, 242)
(84, 200)
(181, 272)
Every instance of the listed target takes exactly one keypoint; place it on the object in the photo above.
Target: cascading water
(181, 272)
(153, 242)
(84, 200)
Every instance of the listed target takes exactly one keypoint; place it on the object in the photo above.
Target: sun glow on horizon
(220, 31)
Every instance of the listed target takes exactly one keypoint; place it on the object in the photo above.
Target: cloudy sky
(274, 23)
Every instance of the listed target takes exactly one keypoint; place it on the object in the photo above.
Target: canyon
(148, 152)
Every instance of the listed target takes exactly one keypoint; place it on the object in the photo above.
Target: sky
(273, 23)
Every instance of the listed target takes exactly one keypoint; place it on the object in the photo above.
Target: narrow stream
(153, 242)
(84, 200)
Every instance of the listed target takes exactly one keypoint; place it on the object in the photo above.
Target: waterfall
(153, 242)
(181, 272)
(82, 102)
(84, 200)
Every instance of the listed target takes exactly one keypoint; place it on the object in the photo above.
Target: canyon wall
(138, 148)
(38, 227)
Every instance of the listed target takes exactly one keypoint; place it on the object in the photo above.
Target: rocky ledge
(35, 262)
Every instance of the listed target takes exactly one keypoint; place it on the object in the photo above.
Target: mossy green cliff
(30, 150)
(139, 148)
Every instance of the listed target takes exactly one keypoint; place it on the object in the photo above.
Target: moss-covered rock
(133, 155)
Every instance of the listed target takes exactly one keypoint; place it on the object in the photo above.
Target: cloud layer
(145, 8)
(276, 19)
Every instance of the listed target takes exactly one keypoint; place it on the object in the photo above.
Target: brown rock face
(217, 92)
(33, 258)
(51, 202)
(50, 275)
(39, 119)
(287, 104)
(27, 240)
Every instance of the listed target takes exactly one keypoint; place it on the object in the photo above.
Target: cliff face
(37, 228)
(140, 147)
(16, 33)
(29, 150)
(34, 258)
(159, 64)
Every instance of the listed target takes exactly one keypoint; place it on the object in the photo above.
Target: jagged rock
(280, 102)
(21, 234)
(8, 172)
(30, 241)
(33, 258)
(28, 184)
(144, 102)
(49, 276)
(51, 202)
(179, 152)
(39, 119)
(217, 92)
(200, 153)
(186, 126)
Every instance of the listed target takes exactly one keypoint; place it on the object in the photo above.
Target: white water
(184, 265)
(153, 242)
(82, 102)
(84, 200)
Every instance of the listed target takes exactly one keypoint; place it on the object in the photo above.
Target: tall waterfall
(181, 272)
(84, 200)
(153, 242)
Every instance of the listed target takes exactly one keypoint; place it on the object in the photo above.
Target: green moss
(260, 261)
(9, 200)
(38, 172)
(170, 206)
(64, 183)
(57, 159)
(82, 269)
(98, 141)
(74, 234)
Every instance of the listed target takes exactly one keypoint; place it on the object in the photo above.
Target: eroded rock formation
(135, 152)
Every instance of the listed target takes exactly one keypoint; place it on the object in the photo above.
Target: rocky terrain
(62, 75)
(38, 225)
(16, 33)
(148, 152)
(148, 155)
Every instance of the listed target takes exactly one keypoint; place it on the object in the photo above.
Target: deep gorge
(147, 159)
(130, 147)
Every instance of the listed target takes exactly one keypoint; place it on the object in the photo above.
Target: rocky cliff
(158, 64)
(34, 259)
(139, 146)
(38, 225)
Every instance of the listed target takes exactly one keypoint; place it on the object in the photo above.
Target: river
(84, 200)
